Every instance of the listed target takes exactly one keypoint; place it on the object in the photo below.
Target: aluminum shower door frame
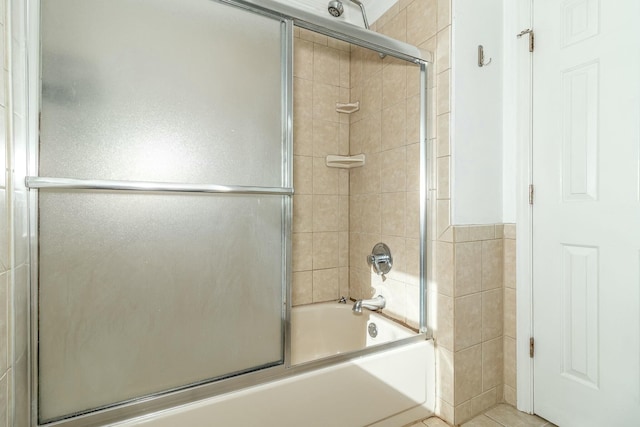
(288, 16)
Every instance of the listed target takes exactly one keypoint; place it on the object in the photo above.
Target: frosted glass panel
(160, 90)
(141, 293)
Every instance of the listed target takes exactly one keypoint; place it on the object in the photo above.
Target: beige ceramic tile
(371, 101)
(412, 304)
(325, 179)
(396, 297)
(442, 97)
(343, 140)
(475, 406)
(344, 96)
(468, 268)
(492, 364)
(413, 119)
(510, 362)
(509, 416)
(345, 69)
(325, 97)
(373, 133)
(444, 369)
(442, 216)
(343, 182)
(481, 421)
(492, 268)
(435, 422)
(325, 250)
(355, 68)
(442, 167)
(443, 61)
(509, 395)
(366, 179)
(412, 251)
(365, 213)
(492, 314)
(394, 126)
(301, 288)
(468, 374)
(413, 167)
(394, 83)
(509, 231)
(509, 312)
(444, 411)
(303, 59)
(481, 232)
(326, 285)
(447, 236)
(343, 276)
(296, 32)
(303, 174)
(499, 231)
(468, 318)
(444, 269)
(393, 213)
(302, 98)
(444, 13)
(302, 213)
(302, 248)
(303, 136)
(343, 249)
(461, 233)
(413, 214)
(421, 21)
(371, 66)
(444, 327)
(326, 213)
(442, 124)
(325, 138)
(396, 26)
(509, 263)
(343, 214)
(393, 170)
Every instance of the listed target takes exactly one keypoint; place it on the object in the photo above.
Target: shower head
(335, 8)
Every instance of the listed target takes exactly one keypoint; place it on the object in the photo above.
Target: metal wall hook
(481, 62)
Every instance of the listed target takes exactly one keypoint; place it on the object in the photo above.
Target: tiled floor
(501, 415)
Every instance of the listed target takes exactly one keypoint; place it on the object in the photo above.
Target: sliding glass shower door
(163, 198)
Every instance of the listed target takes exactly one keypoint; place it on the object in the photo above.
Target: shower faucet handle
(381, 259)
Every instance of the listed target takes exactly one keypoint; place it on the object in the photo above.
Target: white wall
(477, 169)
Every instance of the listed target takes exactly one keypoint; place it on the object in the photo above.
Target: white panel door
(586, 229)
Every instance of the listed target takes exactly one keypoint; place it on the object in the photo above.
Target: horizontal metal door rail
(96, 184)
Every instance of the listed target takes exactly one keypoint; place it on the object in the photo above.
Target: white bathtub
(322, 330)
(388, 388)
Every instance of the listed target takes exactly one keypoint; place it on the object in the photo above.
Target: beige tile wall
(384, 194)
(509, 394)
(476, 269)
(321, 203)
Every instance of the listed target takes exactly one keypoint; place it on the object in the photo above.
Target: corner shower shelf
(347, 108)
(345, 162)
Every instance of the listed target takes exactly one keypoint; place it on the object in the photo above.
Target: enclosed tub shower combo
(175, 278)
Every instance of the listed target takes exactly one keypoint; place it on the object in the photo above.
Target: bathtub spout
(373, 304)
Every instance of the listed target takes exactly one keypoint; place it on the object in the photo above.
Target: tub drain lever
(381, 259)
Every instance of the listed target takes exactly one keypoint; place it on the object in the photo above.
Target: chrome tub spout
(373, 304)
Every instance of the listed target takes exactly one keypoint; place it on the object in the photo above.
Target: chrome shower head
(335, 8)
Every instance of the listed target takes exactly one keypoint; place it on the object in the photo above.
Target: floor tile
(509, 416)
(481, 421)
(435, 422)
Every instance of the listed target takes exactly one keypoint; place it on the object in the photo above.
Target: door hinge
(531, 38)
(531, 194)
(531, 347)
